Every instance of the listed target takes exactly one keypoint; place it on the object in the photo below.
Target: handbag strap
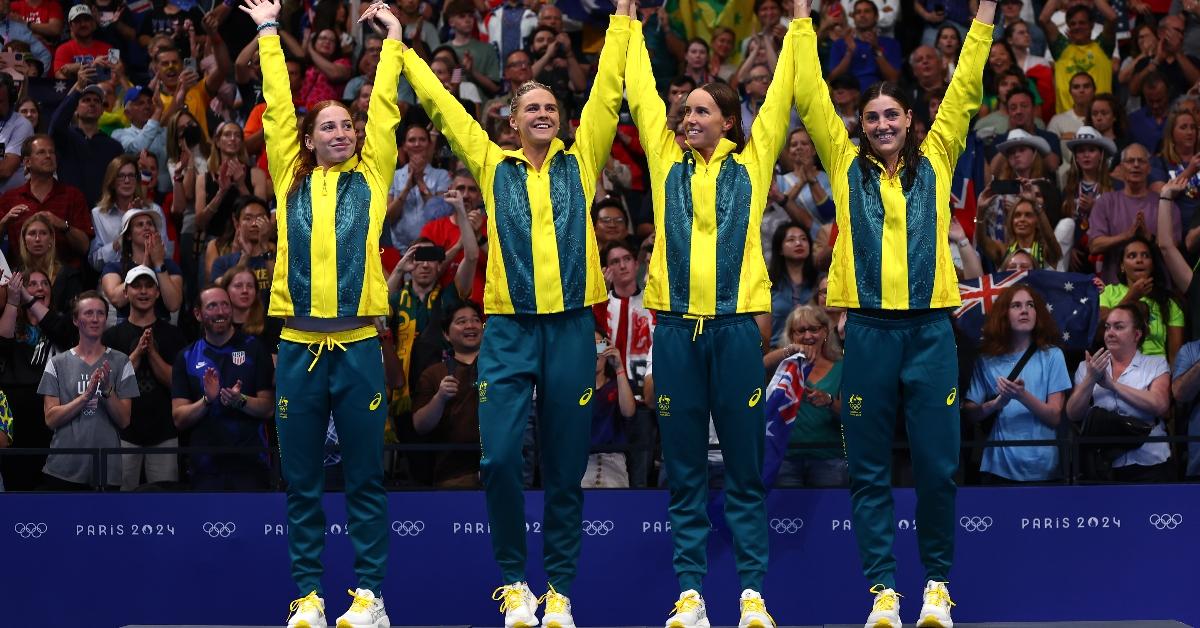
(1016, 370)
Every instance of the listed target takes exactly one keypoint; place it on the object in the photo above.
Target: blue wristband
(266, 25)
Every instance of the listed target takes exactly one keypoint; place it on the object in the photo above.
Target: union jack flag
(986, 293)
(784, 394)
(1072, 298)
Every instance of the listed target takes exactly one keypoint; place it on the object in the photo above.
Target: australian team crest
(238, 358)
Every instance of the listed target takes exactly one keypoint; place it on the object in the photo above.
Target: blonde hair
(215, 157)
(108, 196)
(49, 264)
(813, 315)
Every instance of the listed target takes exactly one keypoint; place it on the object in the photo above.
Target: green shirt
(819, 425)
(1156, 342)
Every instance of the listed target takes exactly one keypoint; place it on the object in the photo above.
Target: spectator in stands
(64, 205)
(948, 46)
(1120, 378)
(43, 17)
(1179, 69)
(929, 74)
(721, 57)
(1117, 216)
(38, 252)
(1026, 402)
(833, 28)
(510, 26)
(75, 127)
(329, 70)
(414, 196)
(447, 402)
(811, 332)
(82, 49)
(87, 392)
(1066, 123)
(613, 412)
(1185, 388)
(808, 199)
(557, 67)
(793, 275)
(446, 233)
(609, 221)
(1176, 264)
(15, 129)
(142, 245)
(30, 332)
(1146, 48)
(173, 77)
(145, 131)
(1087, 178)
(518, 68)
(995, 123)
(1036, 67)
(250, 243)
(696, 62)
(754, 88)
(939, 15)
(28, 108)
(446, 67)
(1022, 117)
(874, 57)
(121, 192)
(1078, 49)
(967, 263)
(1021, 161)
(230, 174)
(1146, 124)
(1107, 115)
(1176, 156)
(1027, 229)
(249, 305)
(418, 32)
(222, 395)
(1143, 278)
(481, 64)
(1011, 10)
(151, 344)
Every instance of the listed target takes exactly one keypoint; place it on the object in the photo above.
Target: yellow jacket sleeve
(770, 127)
(598, 120)
(383, 114)
(279, 118)
(467, 139)
(648, 109)
(948, 134)
(815, 107)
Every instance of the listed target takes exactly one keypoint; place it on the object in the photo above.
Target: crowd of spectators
(138, 226)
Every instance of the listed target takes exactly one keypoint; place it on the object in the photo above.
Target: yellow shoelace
(555, 601)
(360, 603)
(756, 605)
(322, 345)
(306, 603)
(510, 597)
(886, 602)
(686, 605)
(939, 596)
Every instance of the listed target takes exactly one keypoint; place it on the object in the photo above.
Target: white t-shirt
(1142, 371)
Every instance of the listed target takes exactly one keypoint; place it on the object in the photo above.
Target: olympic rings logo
(787, 526)
(219, 529)
(1166, 521)
(598, 528)
(408, 528)
(975, 524)
(30, 530)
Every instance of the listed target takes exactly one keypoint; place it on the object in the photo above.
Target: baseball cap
(140, 271)
(79, 10)
(95, 90)
(132, 93)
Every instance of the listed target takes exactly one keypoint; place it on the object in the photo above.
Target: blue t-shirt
(863, 65)
(1044, 375)
(1189, 355)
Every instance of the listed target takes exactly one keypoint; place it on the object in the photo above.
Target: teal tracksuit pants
(892, 362)
(346, 380)
(557, 354)
(702, 368)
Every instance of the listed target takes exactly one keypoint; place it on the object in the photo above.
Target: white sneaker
(754, 611)
(366, 611)
(307, 612)
(558, 610)
(689, 611)
(885, 612)
(518, 605)
(935, 611)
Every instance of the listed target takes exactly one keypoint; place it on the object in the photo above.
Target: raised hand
(212, 384)
(261, 11)
(380, 16)
(801, 8)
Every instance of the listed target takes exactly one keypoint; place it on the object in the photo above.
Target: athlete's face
(332, 139)
(703, 125)
(536, 118)
(1022, 315)
(886, 125)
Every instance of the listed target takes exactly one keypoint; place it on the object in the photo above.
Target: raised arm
(948, 134)
(598, 120)
(279, 118)
(467, 139)
(1177, 267)
(645, 105)
(813, 103)
(383, 114)
(770, 128)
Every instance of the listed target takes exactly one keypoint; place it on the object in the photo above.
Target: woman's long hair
(173, 148)
(256, 316)
(778, 271)
(1170, 151)
(1160, 294)
(1050, 251)
(910, 153)
(997, 333)
(49, 264)
(1120, 121)
(216, 157)
(306, 162)
(1075, 177)
(814, 315)
(108, 193)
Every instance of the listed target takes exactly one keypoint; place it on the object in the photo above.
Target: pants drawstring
(699, 330)
(328, 342)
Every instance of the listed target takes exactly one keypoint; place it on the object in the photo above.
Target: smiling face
(1079, 27)
(800, 149)
(332, 138)
(536, 117)
(1024, 220)
(809, 333)
(722, 44)
(998, 59)
(142, 293)
(886, 123)
(326, 42)
(215, 312)
(703, 124)
(465, 331)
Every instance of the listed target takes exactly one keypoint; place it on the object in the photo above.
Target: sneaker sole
(931, 621)
(555, 624)
(884, 623)
(756, 624)
(522, 624)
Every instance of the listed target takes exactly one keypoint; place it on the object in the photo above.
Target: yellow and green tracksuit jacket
(327, 262)
(892, 250)
(542, 252)
(708, 258)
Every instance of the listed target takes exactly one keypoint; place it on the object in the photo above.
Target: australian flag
(1073, 300)
(784, 394)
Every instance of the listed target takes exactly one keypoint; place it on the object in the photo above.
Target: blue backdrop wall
(1023, 554)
